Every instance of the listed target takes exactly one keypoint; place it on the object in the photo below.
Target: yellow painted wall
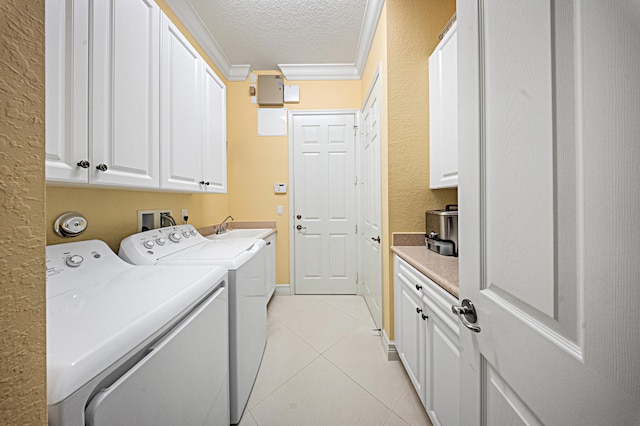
(256, 163)
(113, 214)
(22, 259)
(406, 36)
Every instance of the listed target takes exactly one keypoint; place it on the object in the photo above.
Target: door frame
(292, 251)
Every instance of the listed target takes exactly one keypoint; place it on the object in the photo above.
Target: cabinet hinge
(356, 278)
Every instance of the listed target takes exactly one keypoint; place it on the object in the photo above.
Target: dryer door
(183, 379)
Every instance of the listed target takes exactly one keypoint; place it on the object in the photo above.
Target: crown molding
(367, 33)
(192, 22)
(294, 72)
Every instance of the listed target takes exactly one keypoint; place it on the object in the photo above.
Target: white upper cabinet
(124, 121)
(107, 69)
(193, 132)
(66, 86)
(443, 112)
(214, 132)
(180, 110)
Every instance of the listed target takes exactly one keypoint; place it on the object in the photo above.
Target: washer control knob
(148, 244)
(175, 237)
(186, 234)
(194, 232)
(160, 241)
(74, 261)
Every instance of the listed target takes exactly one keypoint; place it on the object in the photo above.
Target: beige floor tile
(247, 419)
(394, 420)
(282, 306)
(410, 408)
(320, 325)
(360, 355)
(350, 305)
(284, 356)
(320, 395)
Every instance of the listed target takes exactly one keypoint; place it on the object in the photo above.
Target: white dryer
(134, 345)
(245, 260)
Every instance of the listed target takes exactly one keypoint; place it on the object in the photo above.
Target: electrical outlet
(184, 213)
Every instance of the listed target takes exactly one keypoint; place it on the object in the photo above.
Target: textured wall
(22, 266)
(256, 163)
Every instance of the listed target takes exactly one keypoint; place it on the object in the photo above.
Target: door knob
(300, 227)
(467, 314)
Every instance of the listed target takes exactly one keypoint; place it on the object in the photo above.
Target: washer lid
(229, 253)
(104, 315)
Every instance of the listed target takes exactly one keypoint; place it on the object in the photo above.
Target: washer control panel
(145, 248)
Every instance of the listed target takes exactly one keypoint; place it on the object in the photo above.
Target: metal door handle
(467, 314)
(300, 227)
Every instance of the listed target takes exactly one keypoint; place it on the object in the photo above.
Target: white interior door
(370, 182)
(324, 203)
(548, 200)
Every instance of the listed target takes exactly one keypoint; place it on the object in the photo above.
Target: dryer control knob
(148, 244)
(175, 237)
(74, 261)
(160, 241)
(194, 232)
(186, 234)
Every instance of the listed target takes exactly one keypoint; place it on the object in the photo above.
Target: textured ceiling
(265, 33)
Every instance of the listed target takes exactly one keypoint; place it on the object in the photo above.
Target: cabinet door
(66, 98)
(180, 111)
(443, 112)
(271, 266)
(412, 333)
(214, 131)
(442, 381)
(124, 96)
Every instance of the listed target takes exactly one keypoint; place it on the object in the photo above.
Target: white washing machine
(134, 345)
(245, 260)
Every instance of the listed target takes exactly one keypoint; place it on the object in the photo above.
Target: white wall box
(426, 337)
(443, 112)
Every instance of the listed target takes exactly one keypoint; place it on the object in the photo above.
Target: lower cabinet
(426, 337)
(271, 266)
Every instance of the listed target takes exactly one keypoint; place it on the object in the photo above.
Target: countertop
(443, 270)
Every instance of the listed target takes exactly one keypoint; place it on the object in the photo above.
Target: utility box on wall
(270, 90)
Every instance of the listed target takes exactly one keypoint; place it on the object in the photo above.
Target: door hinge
(355, 180)
(356, 278)
(356, 229)
(355, 130)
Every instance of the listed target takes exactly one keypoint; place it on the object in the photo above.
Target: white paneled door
(324, 214)
(548, 193)
(371, 233)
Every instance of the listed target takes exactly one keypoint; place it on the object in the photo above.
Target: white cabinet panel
(214, 132)
(443, 112)
(66, 87)
(271, 266)
(426, 337)
(180, 111)
(124, 93)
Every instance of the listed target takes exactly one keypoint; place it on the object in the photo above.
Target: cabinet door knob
(376, 239)
(84, 164)
(418, 287)
(424, 317)
(418, 310)
(102, 167)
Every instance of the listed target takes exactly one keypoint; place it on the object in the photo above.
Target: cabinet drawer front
(411, 277)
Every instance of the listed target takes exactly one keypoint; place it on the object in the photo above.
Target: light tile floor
(324, 365)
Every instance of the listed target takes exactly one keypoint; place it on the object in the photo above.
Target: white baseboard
(283, 290)
(389, 347)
